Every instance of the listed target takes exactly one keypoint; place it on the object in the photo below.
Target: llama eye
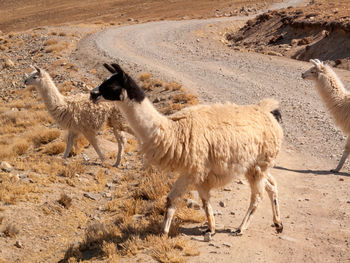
(35, 77)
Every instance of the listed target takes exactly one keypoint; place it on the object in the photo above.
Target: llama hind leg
(271, 188)
(70, 141)
(176, 194)
(204, 194)
(256, 181)
(93, 141)
(344, 156)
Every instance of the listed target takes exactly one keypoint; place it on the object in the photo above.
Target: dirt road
(315, 203)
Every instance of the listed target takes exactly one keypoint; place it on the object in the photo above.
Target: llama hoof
(279, 227)
(208, 231)
(334, 171)
(236, 233)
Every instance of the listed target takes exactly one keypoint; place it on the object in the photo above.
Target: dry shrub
(50, 42)
(72, 169)
(19, 121)
(185, 98)
(11, 230)
(173, 86)
(65, 200)
(57, 47)
(13, 190)
(41, 135)
(20, 147)
(145, 76)
(54, 148)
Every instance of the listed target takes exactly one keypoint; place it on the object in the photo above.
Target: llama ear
(109, 68)
(313, 61)
(36, 68)
(117, 68)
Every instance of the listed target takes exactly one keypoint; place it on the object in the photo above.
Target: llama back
(78, 111)
(220, 136)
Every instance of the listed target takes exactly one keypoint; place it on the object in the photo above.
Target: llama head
(118, 87)
(34, 77)
(313, 73)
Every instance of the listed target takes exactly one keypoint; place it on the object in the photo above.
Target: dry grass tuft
(145, 76)
(11, 230)
(40, 135)
(65, 200)
(173, 86)
(54, 148)
(20, 147)
(57, 47)
(13, 190)
(50, 42)
(72, 169)
(186, 98)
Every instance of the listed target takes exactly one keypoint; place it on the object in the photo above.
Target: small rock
(227, 189)
(156, 100)
(222, 204)
(341, 179)
(348, 201)
(307, 199)
(85, 157)
(287, 238)
(136, 218)
(233, 213)
(92, 196)
(18, 244)
(130, 19)
(227, 244)
(6, 167)
(9, 63)
(240, 181)
(106, 194)
(217, 213)
(273, 53)
(109, 185)
(207, 237)
(192, 204)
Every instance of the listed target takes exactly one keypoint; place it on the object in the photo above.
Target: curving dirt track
(315, 203)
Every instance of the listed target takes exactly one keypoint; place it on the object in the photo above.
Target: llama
(77, 114)
(335, 97)
(205, 144)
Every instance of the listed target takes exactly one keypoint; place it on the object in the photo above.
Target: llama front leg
(256, 181)
(70, 140)
(176, 194)
(344, 156)
(204, 193)
(271, 188)
(119, 135)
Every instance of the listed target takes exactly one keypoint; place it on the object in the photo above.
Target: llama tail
(272, 106)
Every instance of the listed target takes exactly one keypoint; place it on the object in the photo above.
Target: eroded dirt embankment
(299, 34)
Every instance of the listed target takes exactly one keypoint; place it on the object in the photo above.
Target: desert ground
(182, 53)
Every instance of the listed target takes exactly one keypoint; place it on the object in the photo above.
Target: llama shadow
(199, 230)
(316, 172)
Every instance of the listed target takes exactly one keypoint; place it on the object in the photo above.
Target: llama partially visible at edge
(206, 144)
(77, 114)
(335, 97)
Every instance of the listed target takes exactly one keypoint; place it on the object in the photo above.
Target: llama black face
(110, 89)
(117, 87)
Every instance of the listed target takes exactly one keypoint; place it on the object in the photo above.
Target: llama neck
(144, 119)
(50, 94)
(330, 88)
